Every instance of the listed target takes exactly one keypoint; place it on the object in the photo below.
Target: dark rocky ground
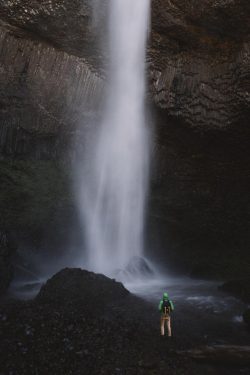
(82, 323)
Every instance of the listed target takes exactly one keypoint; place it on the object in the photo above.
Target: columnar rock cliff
(52, 70)
(200, 78)
(200, 61)
(44, 94)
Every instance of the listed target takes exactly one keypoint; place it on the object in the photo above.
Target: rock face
(199, 75)
(44, 94)
(200, 61)
(52, 70)
(199, 54)
(82, 288)
(66, 24)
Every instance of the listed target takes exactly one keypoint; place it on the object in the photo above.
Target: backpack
(166, 307)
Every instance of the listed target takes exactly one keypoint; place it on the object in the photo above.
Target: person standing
(166, 306)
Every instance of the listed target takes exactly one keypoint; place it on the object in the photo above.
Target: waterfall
(113, 191)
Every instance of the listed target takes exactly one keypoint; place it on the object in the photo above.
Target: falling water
(114, 190)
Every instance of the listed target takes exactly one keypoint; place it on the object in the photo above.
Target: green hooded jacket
(165, 298)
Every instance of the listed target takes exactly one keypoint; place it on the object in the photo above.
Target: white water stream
(113, 195)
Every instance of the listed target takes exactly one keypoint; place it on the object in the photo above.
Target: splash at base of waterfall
(138, 269)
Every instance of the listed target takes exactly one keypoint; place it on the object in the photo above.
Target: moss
(30, 194)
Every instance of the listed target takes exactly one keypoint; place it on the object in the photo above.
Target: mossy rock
(31, 194)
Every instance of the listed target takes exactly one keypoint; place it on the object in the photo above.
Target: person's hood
(165, 296)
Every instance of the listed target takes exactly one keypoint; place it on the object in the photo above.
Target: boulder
(74, 286)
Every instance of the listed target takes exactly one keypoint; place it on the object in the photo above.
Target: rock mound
(81, 288)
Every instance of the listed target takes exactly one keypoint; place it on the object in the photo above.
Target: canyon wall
(200, 80)
(52, 70)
